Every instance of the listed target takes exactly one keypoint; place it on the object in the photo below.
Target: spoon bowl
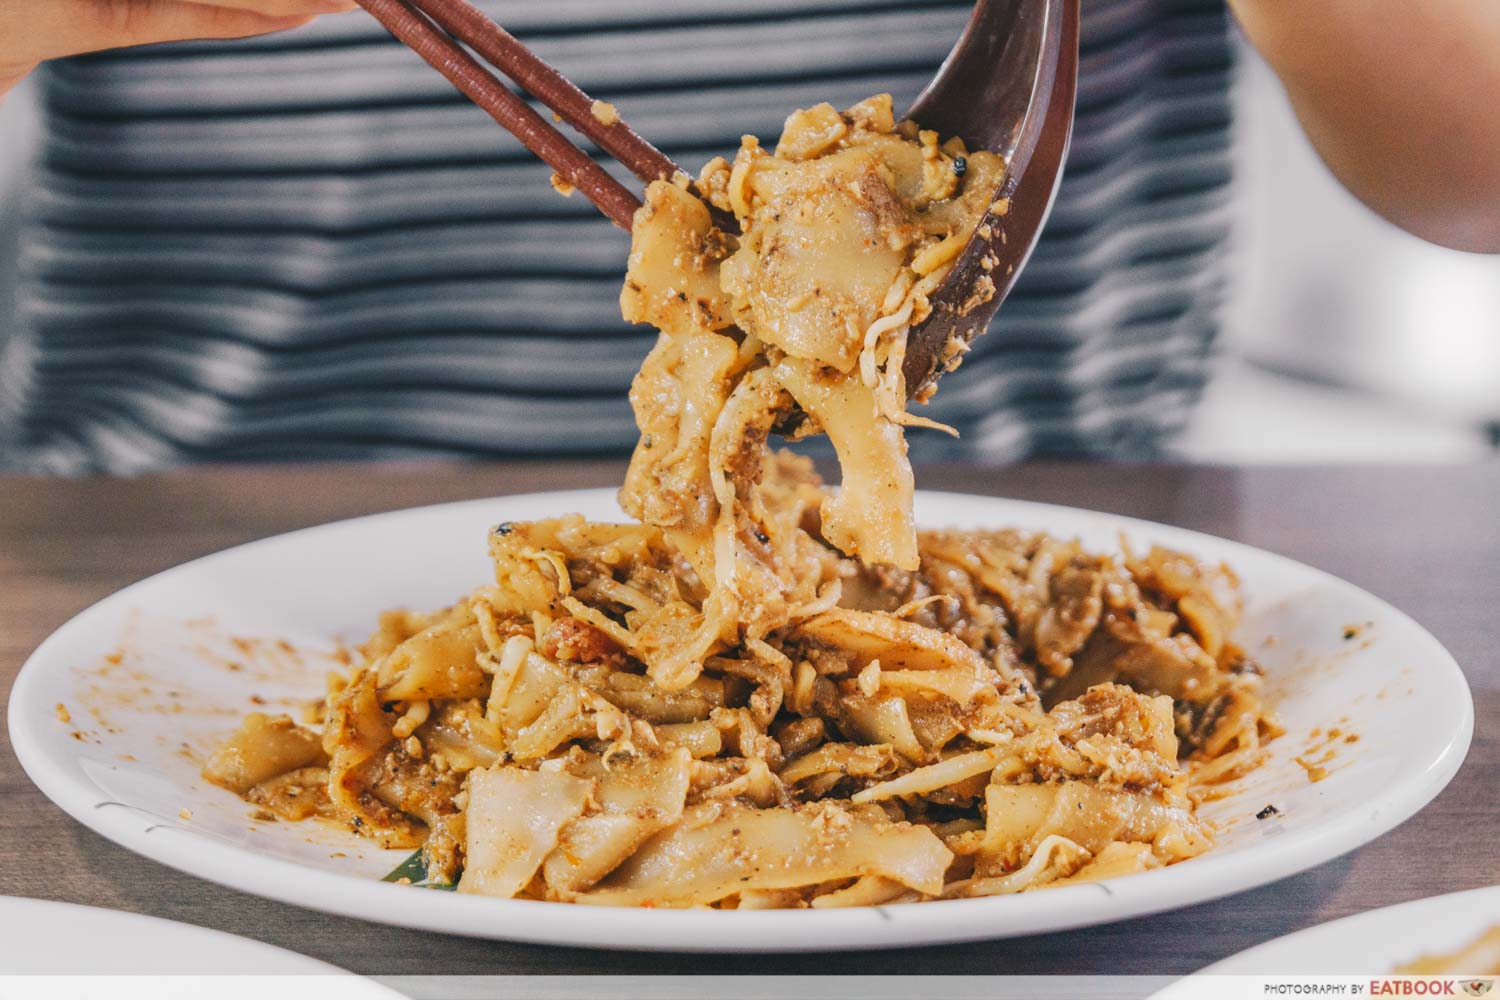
(1008, 86)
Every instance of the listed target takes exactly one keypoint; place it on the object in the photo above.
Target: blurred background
(1310, 330)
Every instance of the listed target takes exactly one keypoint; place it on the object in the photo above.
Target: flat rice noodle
(717, 851)
(870, 517)
(1117, 859)
(898, 644)
(962, 686)
(264, 747)
(438, 662)
(925, 780)
(464, 737)
(356, 732)
(701, 739)
(514, 819)
(563, 719)
(677, 395)
(1090, 816)
(634, 800)
(537, 683)
(884, 719)
(842, 759)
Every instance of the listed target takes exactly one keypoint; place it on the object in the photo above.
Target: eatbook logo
(1477, 987)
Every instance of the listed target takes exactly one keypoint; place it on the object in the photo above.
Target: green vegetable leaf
(414, 869)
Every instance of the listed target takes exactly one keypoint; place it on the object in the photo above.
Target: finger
(92, 25)
(279, 8)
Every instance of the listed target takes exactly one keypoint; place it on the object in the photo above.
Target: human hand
(33, 31)
(1398, 98)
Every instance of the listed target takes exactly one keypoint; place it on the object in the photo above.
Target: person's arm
(1401, 99)
(33, 31)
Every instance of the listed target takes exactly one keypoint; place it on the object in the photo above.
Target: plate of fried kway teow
(736, 703)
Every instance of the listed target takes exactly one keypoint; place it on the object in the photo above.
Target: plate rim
(286, 961)
(1243, 962)
(768, 931)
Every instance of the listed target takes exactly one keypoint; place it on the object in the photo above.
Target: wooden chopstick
(506, 53)
(573, 165)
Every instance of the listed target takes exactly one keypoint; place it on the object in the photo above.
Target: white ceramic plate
(1367, 944)
(153, 676)
(46, 938)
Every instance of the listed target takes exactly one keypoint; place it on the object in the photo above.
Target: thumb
(63, 29)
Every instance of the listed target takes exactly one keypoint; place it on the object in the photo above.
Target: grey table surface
(1426, 539)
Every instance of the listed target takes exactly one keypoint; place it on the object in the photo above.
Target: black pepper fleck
(1268, 812)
